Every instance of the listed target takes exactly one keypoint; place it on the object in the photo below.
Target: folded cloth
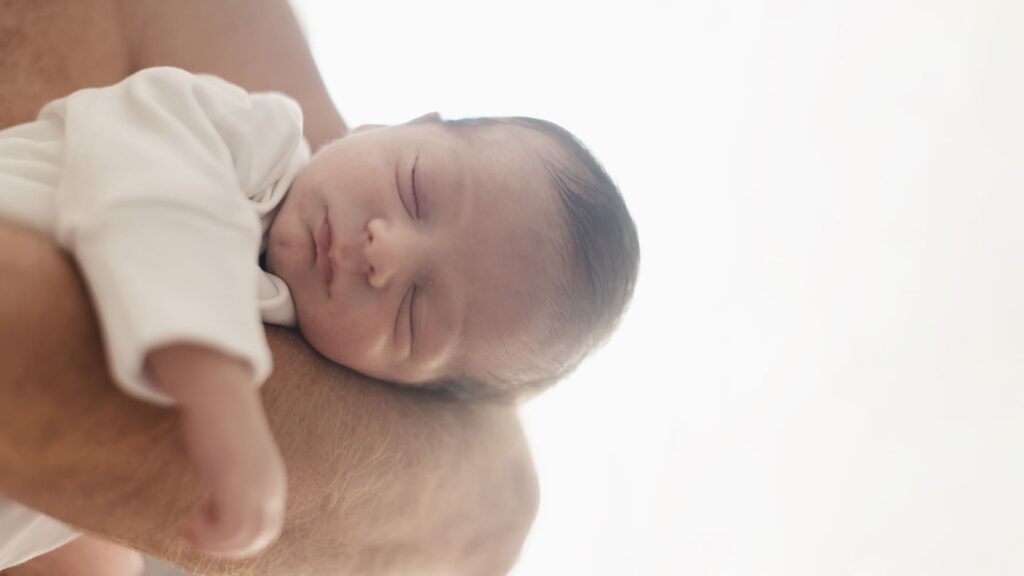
(25, 534)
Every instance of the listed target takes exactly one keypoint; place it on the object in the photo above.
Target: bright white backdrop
(821, 372)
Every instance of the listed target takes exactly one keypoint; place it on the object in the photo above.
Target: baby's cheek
(282, 245)
(323, 334)
(364, 350)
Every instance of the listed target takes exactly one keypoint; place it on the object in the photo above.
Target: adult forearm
(381, 481)
(256, 44)
(70, 444)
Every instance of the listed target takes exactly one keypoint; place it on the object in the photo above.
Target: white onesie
(162, 187)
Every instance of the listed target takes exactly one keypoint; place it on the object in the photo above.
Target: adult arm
(253, 43)
(50, 48)
(381, 480)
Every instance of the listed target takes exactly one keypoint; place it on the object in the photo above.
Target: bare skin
(230, 443)
(381, 481)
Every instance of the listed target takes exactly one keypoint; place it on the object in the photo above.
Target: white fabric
(162, 187)
(25, 534)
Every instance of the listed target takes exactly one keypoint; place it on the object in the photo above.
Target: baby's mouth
(324, 239)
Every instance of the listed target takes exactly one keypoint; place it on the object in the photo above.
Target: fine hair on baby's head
(600, 253)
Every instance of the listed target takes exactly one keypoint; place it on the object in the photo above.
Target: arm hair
(381, 481)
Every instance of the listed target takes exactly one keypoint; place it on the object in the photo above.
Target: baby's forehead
(517, 280)
(514, 142)
(514, 160)
(510, 224)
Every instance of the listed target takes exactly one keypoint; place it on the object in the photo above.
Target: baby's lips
(324, 237)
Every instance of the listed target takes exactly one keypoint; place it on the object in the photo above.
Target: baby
(477, 258)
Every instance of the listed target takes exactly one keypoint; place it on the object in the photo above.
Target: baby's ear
(428, 117)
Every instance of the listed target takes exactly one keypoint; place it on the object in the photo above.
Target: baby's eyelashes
(412, 318)
(408, 195)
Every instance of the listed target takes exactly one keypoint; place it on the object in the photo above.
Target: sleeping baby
(479, 258)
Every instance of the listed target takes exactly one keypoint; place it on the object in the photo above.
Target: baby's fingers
(241, 467)
(232, 529)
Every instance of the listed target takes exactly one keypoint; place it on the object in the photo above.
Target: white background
(821, 370)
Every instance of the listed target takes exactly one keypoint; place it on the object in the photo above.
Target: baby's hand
(227, 436)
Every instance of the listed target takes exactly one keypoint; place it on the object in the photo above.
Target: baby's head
(485, 257)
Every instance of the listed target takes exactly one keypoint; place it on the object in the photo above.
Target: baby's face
(414, 255)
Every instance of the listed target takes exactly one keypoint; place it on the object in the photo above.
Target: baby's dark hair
(602, 255)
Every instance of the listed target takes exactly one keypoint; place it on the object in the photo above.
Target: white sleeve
(153, 206)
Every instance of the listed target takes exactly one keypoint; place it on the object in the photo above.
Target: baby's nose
(385, 254)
